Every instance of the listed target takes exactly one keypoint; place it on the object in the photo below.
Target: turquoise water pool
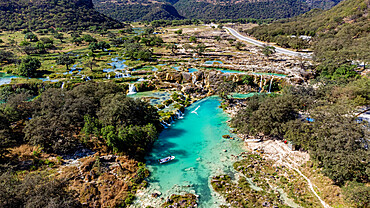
(157, 96)
(191, 70)
(213, 62)
(196, 142)
(6, 78)
(240, 95)
(269, 74)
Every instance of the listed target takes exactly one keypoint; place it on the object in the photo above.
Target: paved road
(259, 43)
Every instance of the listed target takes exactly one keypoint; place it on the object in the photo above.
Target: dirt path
(280, 152)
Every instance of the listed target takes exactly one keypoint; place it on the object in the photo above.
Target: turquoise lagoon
(213, 62)
(6, 78)
(196, 141)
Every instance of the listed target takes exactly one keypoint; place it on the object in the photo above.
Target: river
(201, 152)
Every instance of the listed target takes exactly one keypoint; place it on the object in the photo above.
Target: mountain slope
(240, 9)
(341, 33)
(40, 14)
(123, 10)
(135, 10)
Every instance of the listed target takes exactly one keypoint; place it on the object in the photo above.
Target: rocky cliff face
(206, 81)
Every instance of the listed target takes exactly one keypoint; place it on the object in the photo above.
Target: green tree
(34, 190)
(31, 37)
(103, 45)
(90, 64)
(200, 48)
(239, 45)
(136, 51)
(5, 135)
(357, 194)
(6, 56)
(77, 40)
(173, 47)
(66, 60)
(89, 39)
(119, 110)
(266, 115)
(179, 32)
(93, 46)
(192, 39)
(59, 36)
(224, 89)
(28, 67)
(268, 50)
(248, 80)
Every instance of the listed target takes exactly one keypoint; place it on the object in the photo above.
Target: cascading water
(270, 84)
(62, 85)
(179, 114)
(131, 89)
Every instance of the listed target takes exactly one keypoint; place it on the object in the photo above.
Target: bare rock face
(173, 77)
(186, 77)
(160, 76)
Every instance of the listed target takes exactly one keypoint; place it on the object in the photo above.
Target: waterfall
(179, 114)
(270, 84)
(62, 85)
(194, 78)
(165, 124)
(131, 89)
(122, 75)
(260, 84)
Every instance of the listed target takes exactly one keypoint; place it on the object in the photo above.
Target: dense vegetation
(147, 11)
(322, 121)
(55, 119)
(35, 190)
(339, 35)
(261, 10)
(43, 14)
(123, 10)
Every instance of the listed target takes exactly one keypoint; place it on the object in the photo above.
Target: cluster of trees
(322, 121)
(338, 35)
(33, 45)
(28, 67)
(35, 190)
(66, 14)
(143, 11)
(102, 111)
(259, 10)
(174, 12)
(135, 51)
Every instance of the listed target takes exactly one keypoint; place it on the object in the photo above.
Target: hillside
(123, 10)
(128, 10)
(341, 33)
(40, 14)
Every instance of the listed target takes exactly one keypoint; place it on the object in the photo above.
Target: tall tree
(28, 67)
(66, 60)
